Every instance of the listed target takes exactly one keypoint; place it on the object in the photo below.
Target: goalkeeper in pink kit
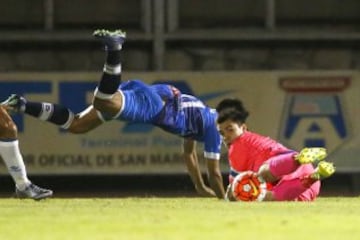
(289, 175)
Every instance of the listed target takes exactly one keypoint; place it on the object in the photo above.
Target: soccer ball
(247, 186)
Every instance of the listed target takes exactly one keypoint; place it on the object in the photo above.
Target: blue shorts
(141, 104)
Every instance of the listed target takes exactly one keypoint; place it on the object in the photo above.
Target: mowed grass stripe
(178, 218)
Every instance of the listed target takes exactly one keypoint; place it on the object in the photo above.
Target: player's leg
(322, 171)
(278, 166)
(10, 153)
(9, 150)
(302, 181)
(56, 114)
(297, 189)
(286, 163)
(50, 112)
(107, 99)
(302, 185)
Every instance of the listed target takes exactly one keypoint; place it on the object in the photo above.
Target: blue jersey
(166, 107)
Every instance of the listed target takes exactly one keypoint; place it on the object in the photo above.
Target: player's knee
(266, 174)
(108, 107)
(99, 104)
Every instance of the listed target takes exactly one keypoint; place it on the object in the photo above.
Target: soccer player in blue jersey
(134, 101)
(10, 153)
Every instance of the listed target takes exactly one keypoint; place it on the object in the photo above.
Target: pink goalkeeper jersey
(251, 150)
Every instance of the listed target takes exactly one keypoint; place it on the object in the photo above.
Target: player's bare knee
(111, 106)
(106, 106)
(266, 174)
(100, 104)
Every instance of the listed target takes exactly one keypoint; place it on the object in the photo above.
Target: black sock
(113, 58)
(109, 83)
(49, 112)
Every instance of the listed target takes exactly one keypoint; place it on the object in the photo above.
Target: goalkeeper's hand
(229, 195)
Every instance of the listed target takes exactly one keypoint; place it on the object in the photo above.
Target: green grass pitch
(178, 218)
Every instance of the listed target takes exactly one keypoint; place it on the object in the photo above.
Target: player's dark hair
(231, 109)
(230, 103)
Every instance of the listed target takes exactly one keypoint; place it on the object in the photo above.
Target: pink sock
(283, 164)
(292, 189)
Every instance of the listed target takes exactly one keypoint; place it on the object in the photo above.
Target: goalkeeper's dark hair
(231, 109)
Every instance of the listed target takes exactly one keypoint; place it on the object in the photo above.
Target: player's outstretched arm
(215, 177)
(192, 165)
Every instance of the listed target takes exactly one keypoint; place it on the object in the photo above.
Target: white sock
(112, 70)
(10, 153)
